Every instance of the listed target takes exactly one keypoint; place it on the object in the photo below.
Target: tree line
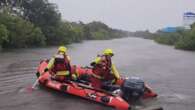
(33, 23)
(181, 39)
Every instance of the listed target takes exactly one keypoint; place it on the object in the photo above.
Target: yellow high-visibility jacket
(51, 65)
(114, 70)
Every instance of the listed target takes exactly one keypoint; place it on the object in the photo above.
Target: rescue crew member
(104, 71)
(60, 67)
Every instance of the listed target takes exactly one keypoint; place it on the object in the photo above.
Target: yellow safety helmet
(62, 49)
(108, 52)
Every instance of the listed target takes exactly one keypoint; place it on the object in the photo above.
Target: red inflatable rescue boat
(115, 100)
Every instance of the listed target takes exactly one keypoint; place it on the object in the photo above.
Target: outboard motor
(132, 89)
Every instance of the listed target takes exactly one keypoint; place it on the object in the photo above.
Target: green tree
(44, 15)
(3, 34)
(86, 32)
(100, 34)
(187, 42)
(41, 12)
(167, 38)
(20, 32)
(35, 38)
(77, 34)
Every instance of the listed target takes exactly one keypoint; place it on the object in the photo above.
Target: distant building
(169, 29)
(188, 19)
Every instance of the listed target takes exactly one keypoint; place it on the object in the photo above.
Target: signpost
(188, 19)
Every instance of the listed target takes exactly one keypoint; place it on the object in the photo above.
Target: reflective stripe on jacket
(60, 64)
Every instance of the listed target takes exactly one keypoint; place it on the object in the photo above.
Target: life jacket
(61, 63)
(103, 68)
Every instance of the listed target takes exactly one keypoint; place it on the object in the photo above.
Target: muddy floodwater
(170, 72)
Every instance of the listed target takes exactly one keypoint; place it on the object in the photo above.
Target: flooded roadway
(170, 72)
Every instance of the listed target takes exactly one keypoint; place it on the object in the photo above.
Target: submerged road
(170, 72)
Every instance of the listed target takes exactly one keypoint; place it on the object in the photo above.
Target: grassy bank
(182, 39)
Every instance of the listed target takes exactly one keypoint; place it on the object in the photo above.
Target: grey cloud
(127, 14)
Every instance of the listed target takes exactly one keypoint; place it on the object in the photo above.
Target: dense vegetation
(31, 23)
(182, 39)
(142, 34)
(16, 32)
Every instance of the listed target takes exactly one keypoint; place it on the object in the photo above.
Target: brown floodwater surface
(170, 72)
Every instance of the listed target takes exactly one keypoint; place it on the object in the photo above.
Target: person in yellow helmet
(59, 65)
(104, 70)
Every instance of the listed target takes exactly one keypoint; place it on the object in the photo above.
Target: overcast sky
(127, 14)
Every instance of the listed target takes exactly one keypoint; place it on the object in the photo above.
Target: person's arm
(96, 61)
(74, 75)
(68, 65)
(69, 59)
(115, 72)
(51, 63)
(97, 76)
